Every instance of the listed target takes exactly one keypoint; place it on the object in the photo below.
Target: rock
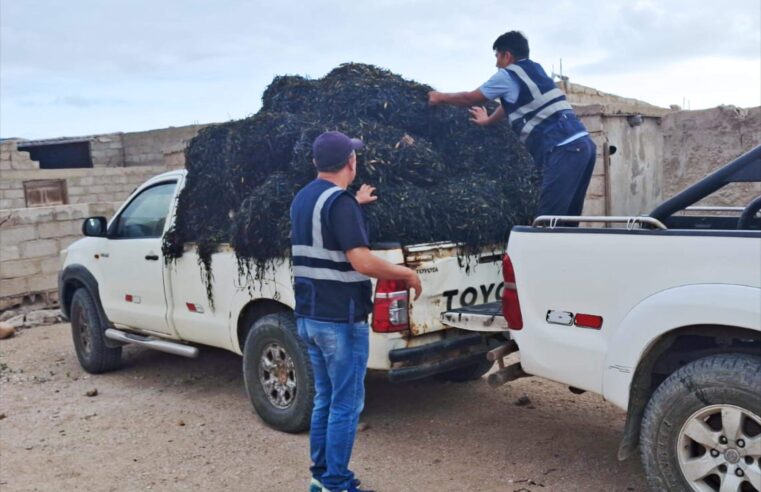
(43, 317)
(16, 321)
(92, 392)
(363, 426)
(6, 330)
(2, 416)
(6, 315)
(181, 423)
(522, 401)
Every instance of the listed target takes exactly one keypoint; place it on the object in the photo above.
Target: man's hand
(413, 282)
(365, 194)
(435, 98)
(479, 116)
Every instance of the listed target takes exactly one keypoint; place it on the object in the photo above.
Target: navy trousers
(567, 172)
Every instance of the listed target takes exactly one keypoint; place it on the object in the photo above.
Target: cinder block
(63, 214)
(50, 265)
(13, 236)
(13, 287)
(13, 193)
(58, 229)
(39, 247)
(20, 268)
(8, 253)
(65, 242)
(42, 283)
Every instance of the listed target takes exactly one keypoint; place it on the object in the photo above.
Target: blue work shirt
(502, 85)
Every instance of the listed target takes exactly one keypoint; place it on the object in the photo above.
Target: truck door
(133, 265)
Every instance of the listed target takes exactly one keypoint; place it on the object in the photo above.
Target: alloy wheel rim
(277, 375)
(719, 449)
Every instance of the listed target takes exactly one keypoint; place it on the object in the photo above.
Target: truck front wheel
(702, 427)
(87, 331)
(278, 374)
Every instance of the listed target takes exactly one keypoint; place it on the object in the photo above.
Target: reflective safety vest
(327, 288)
(540, 116)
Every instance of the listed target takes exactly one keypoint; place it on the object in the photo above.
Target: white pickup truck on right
(661, 315)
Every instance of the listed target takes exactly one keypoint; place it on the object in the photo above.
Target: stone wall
(30, 243)
(697, 143)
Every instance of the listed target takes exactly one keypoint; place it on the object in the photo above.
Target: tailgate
(450, 282)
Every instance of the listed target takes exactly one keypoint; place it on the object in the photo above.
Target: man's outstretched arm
(462, 99)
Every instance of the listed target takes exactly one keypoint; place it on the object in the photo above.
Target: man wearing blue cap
(539, 114)
(332, 266)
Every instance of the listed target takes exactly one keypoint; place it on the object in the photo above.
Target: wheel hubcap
(719, 449)
(277, 375)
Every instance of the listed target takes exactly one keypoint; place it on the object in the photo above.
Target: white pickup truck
(116, 289)
(661, 317)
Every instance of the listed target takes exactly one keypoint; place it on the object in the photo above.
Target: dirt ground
(168, 423)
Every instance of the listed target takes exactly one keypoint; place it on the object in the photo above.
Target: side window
(144, 217)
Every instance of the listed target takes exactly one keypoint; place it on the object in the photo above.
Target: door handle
(152, 257)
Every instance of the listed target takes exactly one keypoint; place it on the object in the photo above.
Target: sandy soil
(168, 423)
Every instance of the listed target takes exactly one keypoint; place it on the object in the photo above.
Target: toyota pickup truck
(116, 289)
(661, 316)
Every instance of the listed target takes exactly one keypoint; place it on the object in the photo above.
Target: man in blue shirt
(539, 114)
(332, 266)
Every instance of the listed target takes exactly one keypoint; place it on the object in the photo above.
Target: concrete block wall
(153, 147)
(13, 159)
(30, 243)
(107, 150)
(102, 184)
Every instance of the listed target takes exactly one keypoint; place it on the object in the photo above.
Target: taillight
(390, 311)
(511, 308)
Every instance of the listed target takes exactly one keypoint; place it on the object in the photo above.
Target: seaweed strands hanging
(438, 176)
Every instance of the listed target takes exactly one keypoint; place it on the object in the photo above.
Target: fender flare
(270, 290)
(651, 322)
(72, 277)
(667, 310)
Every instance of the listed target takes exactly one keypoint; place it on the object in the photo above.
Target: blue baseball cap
(331, 149)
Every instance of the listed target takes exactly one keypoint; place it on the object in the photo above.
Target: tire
(87, 331)
(278, 374)
(466, 373)
(687, 409)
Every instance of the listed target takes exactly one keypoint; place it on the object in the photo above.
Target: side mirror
(95, 227)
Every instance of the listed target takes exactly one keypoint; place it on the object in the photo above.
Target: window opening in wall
(45, 192)
(68, 155)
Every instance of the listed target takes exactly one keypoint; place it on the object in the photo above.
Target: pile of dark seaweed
(438, 176)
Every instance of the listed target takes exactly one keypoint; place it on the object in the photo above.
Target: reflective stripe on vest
(318, 252)
(537, 102)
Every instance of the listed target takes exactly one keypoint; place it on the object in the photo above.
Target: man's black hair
(514, 42)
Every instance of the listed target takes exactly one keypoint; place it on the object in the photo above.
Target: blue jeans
(338, 352)
(567, 172)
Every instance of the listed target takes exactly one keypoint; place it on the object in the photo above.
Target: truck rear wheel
(87, 331)
(702, 427)
(278, 374)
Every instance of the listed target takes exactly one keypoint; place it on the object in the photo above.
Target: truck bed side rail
(552, 221)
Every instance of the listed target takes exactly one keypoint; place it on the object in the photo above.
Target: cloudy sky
(82, 67)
